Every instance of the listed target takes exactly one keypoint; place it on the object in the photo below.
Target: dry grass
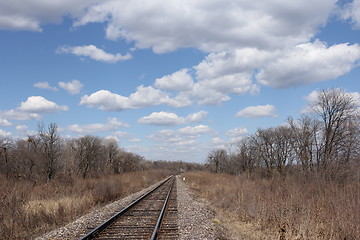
(28, 210)
(296, 208)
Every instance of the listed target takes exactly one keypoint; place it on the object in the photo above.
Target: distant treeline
(326, 140)
(46, 155)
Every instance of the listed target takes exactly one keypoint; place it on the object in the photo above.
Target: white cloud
(31, 14)
(183, 139)
(218, 141)
(17, 114)
(351, 11)
(236, 135)
(217, 76)
(106, 100)
(4, 133)
(111, 125)
(171, 119)
(162, 119)
(119, 136)
(146, 97)
(263, 41)
(196, 117)
(4, 122)
(194, 131)
(23, 131)
(143, 97)
(236, 132)
(178, 81)
(21, 128)
(308, 63)
(39, 104)
(181, 144)
(183, 99)
(116, 123)
(165, 25)
(182, 135)
(73, 87)
(44, 85)
(257, 111)
(165, 135)
(94, 53)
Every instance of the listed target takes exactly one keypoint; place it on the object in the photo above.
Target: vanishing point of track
(152, 216)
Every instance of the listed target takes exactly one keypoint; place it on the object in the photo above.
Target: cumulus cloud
(235, 72)
(110, 125)
(218, 141)
(143, 97)
(105, 100)
(236, 132)
(120, 136)
(39, 104)
(162, 119)
(261, 43)
(165, 26)
(181, 135)
(44, 85)
(21, 128)
(17, 114)
(171, 119)
(308, 63)
(351, 11)
(146, 97)
(181, 144)
(73, 87)
(4, 133)
(194, 131)
(257, 111)
(32, 14)
(94, 53)
(178, 81)
(196, 117)
(4, 122)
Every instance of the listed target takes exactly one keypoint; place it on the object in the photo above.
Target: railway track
(152, 216)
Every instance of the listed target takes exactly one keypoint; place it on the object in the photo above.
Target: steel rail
(112, 219)
(161, 215)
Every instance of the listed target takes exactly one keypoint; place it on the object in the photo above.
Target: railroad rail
(151, 216)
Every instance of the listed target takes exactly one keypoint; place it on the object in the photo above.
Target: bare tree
(112, 155)
(5, 162)
(274, 147)
(337, 110)
(305, 141)
(88, 152)
(247, 155)
(50, 143)
(130, 161)
(217, 160)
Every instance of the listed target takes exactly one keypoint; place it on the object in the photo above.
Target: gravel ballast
(195, 219)
(84, 224)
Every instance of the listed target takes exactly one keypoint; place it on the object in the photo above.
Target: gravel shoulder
(196, 220)
(197, 217)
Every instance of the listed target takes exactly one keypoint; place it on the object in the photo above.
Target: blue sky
(171, 80)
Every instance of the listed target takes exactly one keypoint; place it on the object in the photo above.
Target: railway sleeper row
(139, 220)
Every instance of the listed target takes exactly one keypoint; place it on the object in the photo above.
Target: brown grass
(27, 210)
(295, 208)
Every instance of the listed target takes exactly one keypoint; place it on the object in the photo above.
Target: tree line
(46, 155)
(325, 139)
